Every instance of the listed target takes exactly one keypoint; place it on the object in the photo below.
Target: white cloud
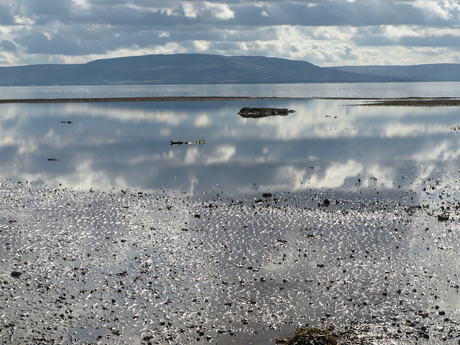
(220, 154)
(396, 32)
(47, 35)
(334, 32)
(325, 33)
(189, 10)
(336, 174)
(23, 20)
(435, 8)
(220, 11)
(82, 3)
(192, 155)
(201, 45)
(287, 178)
(443, 151)
(203, 121)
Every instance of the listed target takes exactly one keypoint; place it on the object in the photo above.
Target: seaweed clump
(318, 336)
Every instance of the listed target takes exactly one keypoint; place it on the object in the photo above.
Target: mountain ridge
(179, 69)
(422, 72)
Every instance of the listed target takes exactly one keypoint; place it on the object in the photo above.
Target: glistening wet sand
(133, 268)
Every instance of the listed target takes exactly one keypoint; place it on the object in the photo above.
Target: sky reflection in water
(298, 264)
(325, 144)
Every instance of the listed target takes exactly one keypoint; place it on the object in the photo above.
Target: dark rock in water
(264, 112)
(16, 274)
(180, 142)
(443, 218)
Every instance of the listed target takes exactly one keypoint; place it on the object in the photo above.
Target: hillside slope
(179, 69)
(428, 72)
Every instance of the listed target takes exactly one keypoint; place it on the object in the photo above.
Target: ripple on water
(78, 267)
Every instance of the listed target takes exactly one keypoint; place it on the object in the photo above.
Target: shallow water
(334, 214)
(170, 268)
(310, 90)
(324, 145)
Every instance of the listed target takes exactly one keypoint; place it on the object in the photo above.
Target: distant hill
(428, 72)
(182, 69)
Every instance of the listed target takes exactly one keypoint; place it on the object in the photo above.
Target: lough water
(323, 90)
(325, 145)
(337, 214)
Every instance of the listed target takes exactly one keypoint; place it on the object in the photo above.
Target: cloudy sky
(323, 32)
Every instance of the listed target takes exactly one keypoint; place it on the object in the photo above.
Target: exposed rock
(264, 112)
(16, 274)
(180, 142)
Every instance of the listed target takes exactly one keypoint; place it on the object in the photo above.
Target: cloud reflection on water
(324, 144)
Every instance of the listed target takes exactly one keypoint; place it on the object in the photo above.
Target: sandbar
(407, 102)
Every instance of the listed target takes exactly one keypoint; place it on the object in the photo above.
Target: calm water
(441, 89)
(325, 144)
(231, 265)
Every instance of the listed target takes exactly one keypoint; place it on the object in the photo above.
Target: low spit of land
(410, 101)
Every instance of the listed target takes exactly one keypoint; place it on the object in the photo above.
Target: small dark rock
(443, 218)
(16, 274)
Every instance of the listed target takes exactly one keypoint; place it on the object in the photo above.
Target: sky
(323, 32)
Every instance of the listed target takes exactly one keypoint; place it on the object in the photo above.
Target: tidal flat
(81, 267)
(169, 222)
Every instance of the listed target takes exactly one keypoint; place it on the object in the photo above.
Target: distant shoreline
(407, 102)
(140, 99)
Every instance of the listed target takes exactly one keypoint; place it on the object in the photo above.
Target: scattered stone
(180, 142)
(443, 218)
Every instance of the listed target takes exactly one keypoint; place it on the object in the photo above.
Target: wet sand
(137, 268)
(412, 101)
